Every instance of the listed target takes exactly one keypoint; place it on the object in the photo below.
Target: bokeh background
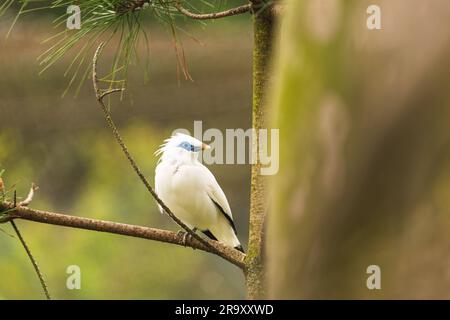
(63, 145)
(365, 151)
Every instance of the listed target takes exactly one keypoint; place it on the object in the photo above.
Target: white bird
(191, 191)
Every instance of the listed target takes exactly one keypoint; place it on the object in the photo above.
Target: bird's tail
(234, 242)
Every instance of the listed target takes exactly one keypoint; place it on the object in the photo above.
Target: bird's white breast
(182, 188)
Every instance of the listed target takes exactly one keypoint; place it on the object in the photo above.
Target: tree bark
(263, 24)
(230, 254)
(365, 152)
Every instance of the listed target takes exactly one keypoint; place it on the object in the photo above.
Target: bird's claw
(186, 236)
(180, 233)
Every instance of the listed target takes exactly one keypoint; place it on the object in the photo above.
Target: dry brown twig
(30, 196)
(64, 220)
(253, 7)
(215, 15)
(22, 212)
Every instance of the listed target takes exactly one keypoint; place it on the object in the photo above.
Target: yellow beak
(205, 146)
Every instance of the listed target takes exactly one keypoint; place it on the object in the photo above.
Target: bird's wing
(217, 196)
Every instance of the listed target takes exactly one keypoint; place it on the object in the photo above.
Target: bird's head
(181, 146)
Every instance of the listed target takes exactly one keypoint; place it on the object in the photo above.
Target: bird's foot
(186, 236)
(182, 234)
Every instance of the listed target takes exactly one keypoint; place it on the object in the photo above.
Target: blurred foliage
(120, 24)
(63, 145)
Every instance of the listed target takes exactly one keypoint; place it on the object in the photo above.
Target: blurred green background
(364, 152)
(63, 145)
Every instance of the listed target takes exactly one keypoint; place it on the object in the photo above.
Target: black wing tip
(230, 221)
(209, 234)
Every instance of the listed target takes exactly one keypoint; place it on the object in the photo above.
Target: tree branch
(216, 15)
(264, 25)
(230, 254)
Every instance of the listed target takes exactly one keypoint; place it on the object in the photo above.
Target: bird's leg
(182, 233)
(185, 235)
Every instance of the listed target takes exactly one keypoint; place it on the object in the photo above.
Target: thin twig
(30, 196)
(30, 255)
(100, 95)
(216, 15)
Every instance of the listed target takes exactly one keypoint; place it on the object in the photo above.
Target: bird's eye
(187, 146)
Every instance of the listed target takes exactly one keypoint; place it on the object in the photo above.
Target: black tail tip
(239, 247)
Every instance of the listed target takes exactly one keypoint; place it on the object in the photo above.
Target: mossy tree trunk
(263, 24)
(364, 178)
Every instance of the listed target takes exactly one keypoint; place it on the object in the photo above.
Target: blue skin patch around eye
(189, 147)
